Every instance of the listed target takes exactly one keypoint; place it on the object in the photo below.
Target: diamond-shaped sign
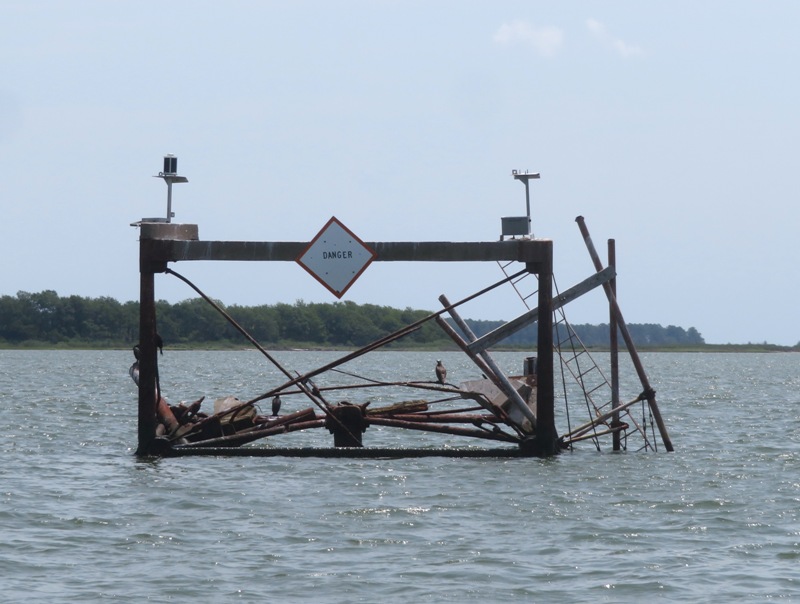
(336, 257)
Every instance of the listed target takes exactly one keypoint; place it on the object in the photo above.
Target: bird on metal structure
(276, 405)
(441, 372)
(308, 383)
(137, 353)
(134, 370)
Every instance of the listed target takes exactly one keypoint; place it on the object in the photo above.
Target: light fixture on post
(519, 225)
(170, 175)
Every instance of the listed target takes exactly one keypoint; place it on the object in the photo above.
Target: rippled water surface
(83, 520)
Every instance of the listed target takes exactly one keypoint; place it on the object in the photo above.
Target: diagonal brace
(504, 331)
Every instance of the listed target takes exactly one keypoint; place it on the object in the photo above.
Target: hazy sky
(673, 127)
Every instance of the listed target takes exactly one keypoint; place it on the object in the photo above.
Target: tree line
(47, 319)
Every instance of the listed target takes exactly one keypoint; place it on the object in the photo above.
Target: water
(82, 520)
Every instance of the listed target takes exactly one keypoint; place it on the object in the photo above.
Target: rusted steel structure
(164, 243)
(512, 410)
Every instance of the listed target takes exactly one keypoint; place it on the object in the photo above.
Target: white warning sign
(336, 257)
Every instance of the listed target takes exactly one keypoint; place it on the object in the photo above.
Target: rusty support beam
(532, 252)
(602, 418)
(443, 418)
(502, 380)
(244, 437)
(150, 262)
(623, 329)
(613, 339)
(513, 326)
(546, 441)
(442, 429)
(382, 453)
(148, 397)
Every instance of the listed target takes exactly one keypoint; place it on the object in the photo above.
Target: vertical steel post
(525, 178)
(147, 355)
(546, 435)
(623, 328)
(169, 198)
(614, 347)
(528, 204)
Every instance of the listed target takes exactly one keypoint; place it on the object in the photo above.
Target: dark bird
(441, 372)
(134, 370)
(276, 405)
(314, 390)
(137, 353)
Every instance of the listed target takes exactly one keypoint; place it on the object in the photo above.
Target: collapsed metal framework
(532, 421)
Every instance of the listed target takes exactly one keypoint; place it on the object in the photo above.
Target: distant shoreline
(308, 347)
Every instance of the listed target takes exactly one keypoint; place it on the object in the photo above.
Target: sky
(672, 127)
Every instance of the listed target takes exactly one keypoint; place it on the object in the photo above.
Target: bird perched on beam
(441, 372)
(276, 405)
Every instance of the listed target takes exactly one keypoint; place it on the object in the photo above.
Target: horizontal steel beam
(530, 251)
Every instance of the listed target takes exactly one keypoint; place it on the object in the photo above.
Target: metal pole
(169, 199)
(525, 178)
(528, 204)
(623, 328)
(546, 435)
(614, 348)
(147, 360)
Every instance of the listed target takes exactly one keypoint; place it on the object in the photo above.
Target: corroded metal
(623, 329)
(533, 252)
(346, 422)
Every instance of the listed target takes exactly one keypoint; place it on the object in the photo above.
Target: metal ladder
(575, 360)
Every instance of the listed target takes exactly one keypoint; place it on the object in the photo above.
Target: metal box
(515, 225)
